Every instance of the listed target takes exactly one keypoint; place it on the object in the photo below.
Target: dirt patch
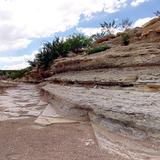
(21, 140)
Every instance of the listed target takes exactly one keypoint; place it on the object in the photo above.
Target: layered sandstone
(126, 122)
(118, 90)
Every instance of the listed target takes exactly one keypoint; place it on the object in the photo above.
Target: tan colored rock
(105, 38)
(158, 29)
(152, 87)
(110, 77)
(151, 26)
(45, 121)
(134, 55)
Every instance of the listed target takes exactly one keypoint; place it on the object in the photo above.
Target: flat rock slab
(126, 122)
(21, 102)
(146, 103)
(140, 109)
(110, 76)
(50, 120)
(50, 116)
(50, 112)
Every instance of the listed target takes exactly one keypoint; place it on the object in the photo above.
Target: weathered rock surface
(117, 116)
(137, 54)
(6, 84)
(49, 116)
(20, 102)
(21, 139)
(118, 90)
(151, 26)
(128, 76)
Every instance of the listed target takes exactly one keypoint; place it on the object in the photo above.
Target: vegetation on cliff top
(60, 48)
(76, 43)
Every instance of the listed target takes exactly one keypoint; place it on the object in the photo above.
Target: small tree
(157, 13)
(126, 23)
(108, 28)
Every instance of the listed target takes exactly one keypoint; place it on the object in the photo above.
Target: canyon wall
(117, 90)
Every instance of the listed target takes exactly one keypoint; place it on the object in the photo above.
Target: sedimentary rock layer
(126, 122)
(134, 55)
(128, 76)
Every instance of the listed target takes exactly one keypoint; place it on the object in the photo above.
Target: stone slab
(51, 120)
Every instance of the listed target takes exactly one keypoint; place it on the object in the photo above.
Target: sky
(26, 24)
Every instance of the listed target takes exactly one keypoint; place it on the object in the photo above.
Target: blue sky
(27, 24)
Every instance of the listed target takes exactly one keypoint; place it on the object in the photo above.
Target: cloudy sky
(26, 24)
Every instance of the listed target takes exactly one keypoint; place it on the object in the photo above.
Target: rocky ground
(22, 139)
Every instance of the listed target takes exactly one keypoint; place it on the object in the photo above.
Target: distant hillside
(12, 74)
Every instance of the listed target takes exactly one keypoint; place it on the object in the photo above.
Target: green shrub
(59, 48)
(49, 52)
(17, 73)
(77, 42)
(125, 39)
(98, 49)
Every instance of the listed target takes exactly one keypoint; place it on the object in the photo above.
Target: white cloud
(140, 22)
(135, 3)
(19, 62)
(18, 66)
(22, 20)
(89, 31)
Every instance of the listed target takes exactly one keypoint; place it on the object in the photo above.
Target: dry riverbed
(22, 139)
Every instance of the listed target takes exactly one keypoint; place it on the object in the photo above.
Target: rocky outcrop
(151, 30)
(118, 91)
(105, 38)
(36, 75)
(126, 122)
(137, 77)
(137, 54)
(151, 26)
(6, 84)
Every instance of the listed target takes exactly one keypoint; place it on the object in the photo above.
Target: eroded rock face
(120, 91)
(138, 76)
(122, 119)
(151, 26)
(137, 54)
(151, 30)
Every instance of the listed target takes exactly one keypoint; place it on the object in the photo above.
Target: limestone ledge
(137, 76)
(134, 55)
(125, 122)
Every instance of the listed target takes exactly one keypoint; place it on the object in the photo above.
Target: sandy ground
(23, 140)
